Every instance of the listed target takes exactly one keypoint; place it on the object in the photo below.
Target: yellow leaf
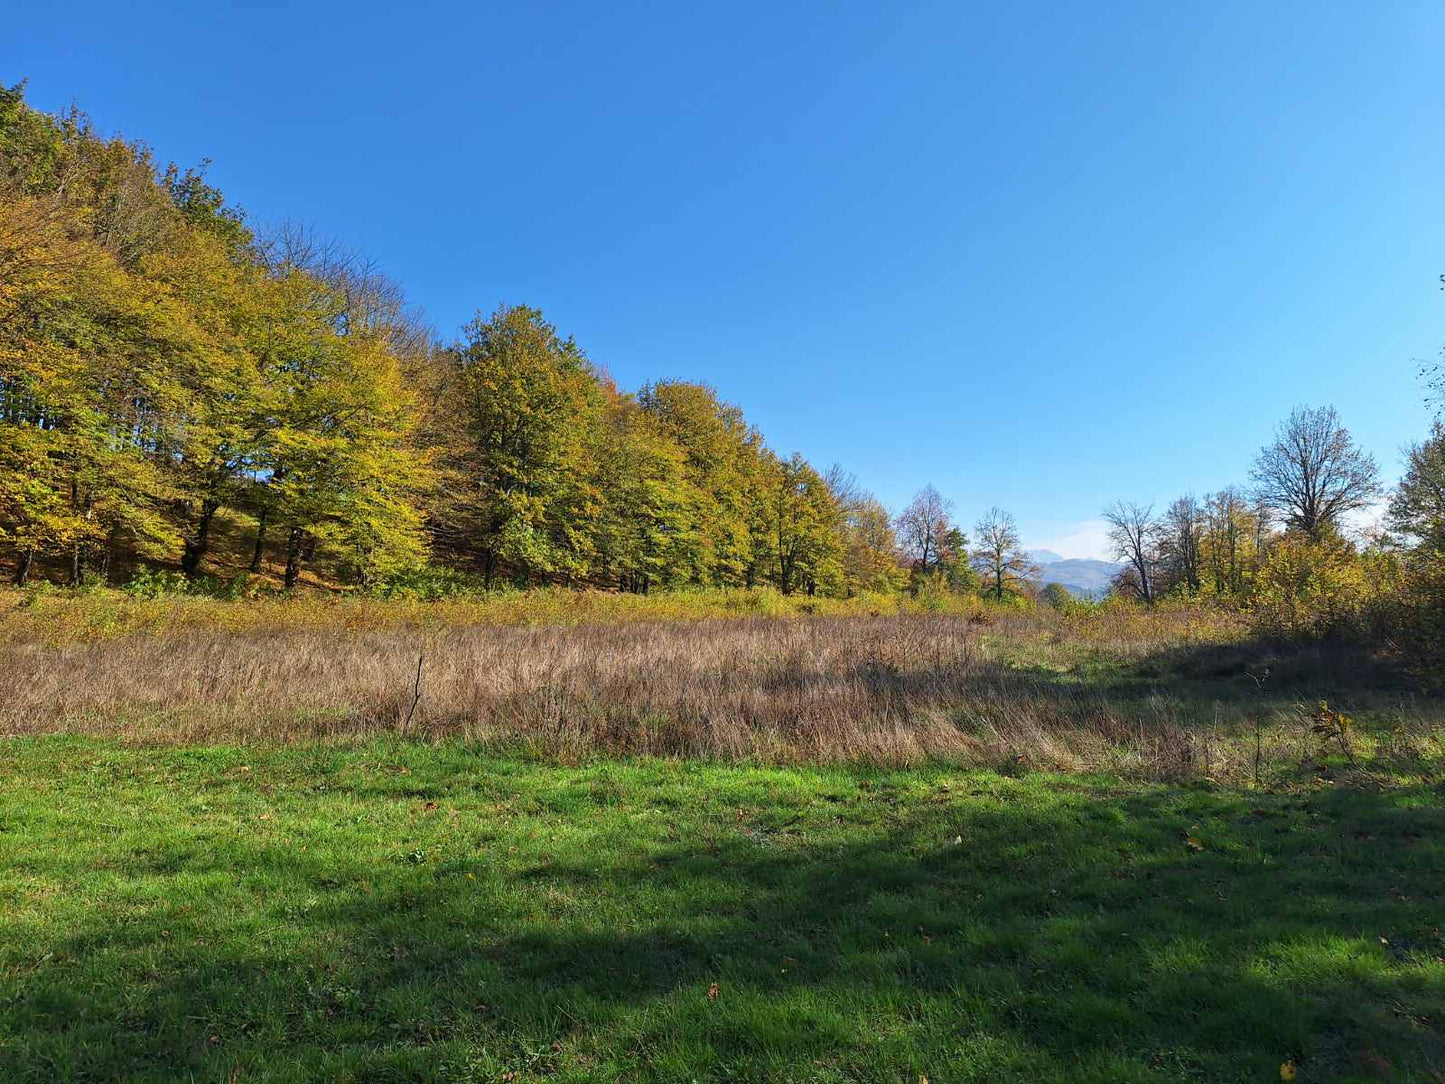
(1286, 1071)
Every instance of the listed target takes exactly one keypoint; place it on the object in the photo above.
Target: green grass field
(399, 912)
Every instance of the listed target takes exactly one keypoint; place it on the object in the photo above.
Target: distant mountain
(1086, 578)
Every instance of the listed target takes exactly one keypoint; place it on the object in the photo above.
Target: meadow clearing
(950, 589)
(716, 837)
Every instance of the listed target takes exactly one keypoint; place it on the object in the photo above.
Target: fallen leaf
(712, 992)
(1194, 843)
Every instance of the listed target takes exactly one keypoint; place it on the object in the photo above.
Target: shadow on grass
(873, 928)
(1329, 668)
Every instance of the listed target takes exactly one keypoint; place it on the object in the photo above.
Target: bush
(932, 593)
(428, 583)
(155, 583)
(1057, 596)
(1411, 619)
(1318, 588)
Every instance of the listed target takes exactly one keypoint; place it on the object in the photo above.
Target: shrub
(156, 583)
(153, 583)
(428, 583)
(940, 593)
(1311, 588)
(1057, 596)
(1411, 619)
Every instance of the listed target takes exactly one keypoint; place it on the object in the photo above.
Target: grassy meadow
(711, 837)
(732, 676)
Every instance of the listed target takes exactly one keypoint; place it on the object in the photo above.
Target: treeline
(1282, 547)
(165, 369)
(162, 365)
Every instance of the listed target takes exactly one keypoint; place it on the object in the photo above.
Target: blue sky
(1041, 256)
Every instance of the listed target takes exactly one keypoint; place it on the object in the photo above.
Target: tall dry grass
(59, 616)
(998, 687)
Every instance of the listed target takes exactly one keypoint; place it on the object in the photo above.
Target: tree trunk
(197, 544)
(107, 554)
(77, 561)
(22, 569)
(260, 550)
(293, 557)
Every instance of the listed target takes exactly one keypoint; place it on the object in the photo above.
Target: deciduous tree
(804, 523)
(721, 452)
(997, 557)
(923, 529)
(519, 476)
(1417, 507)
(1230, 543)
(1313, 473)
(870, 547)
(1134, 536)
(1181, 540)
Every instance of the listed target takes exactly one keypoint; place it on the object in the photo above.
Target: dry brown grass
(1155, 693)
(994, 688)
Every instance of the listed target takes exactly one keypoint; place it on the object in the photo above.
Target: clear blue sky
(1042, 256)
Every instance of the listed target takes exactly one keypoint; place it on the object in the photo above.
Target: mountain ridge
(1082, 576)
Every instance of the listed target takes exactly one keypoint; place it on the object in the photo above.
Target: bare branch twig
(416, 697)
